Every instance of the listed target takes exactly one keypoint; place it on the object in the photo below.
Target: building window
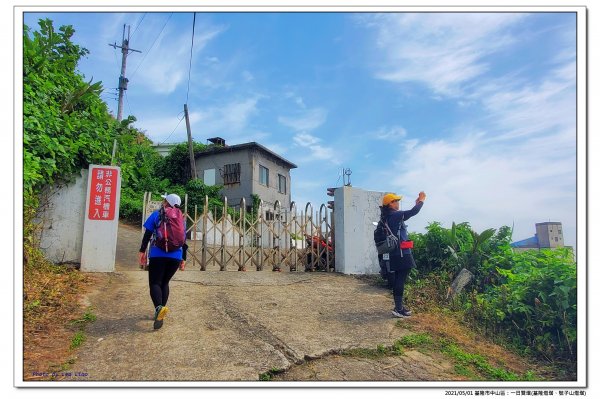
(559, 231)
(270, 216)
(263, 175)
(231, 174)
(282, 184)
(209, 177)
(556, 239)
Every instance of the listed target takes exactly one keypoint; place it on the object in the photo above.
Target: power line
(128, 104)
(153, 43)
(138, 25)
(170, 134)
(191, 54)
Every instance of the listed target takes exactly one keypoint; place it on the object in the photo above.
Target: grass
(439, 328)
(470, 365)
(77, 340)
(268, 375)
(367, 353)
(88, 317)
(52, 314)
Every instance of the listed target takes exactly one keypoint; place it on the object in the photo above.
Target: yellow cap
(388, 198)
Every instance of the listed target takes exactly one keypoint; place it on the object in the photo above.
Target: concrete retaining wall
(61, 220)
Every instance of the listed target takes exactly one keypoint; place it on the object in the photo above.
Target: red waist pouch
(406, 245)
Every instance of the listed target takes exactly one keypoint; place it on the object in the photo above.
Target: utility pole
(190, 142)
(122, 79)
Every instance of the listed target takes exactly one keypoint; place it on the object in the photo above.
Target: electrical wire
(128, 105)
(191, 54)
(136, 28)
(153, 43)
(170, 134)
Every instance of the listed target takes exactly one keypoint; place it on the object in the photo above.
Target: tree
(66, 126)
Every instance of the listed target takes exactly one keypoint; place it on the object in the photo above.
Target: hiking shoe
(159, 315)
(406, 312)
(401, 313)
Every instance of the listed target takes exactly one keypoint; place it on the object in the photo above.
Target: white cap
(172, 199)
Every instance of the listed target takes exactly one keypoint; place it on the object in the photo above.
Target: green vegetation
(88, 317)
(81, 323)
(268, 375)
(528, 299)
(78, 339)
(67, 127)
(415, 340)
(467, 363)
(367, 353)
(472, 366)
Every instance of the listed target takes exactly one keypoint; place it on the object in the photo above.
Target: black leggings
(160, 272)
(401, 266)
(399, 280)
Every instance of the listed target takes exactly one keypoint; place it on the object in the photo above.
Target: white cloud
(521, 165)
(441, 50)
(248, 77)
(162, 128)
(230, 121)
(388, 133)
(231, 118)
(520, 109)
(317, 151)
(467, 181)
(523, 168)
(166, 66)
(298, 100)
(305, 120)
(306, 140)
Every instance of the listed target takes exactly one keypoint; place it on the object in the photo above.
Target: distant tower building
(549, 234)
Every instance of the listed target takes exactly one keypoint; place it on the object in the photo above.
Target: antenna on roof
(347, 172)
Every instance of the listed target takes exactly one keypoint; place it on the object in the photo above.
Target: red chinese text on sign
(103, 193)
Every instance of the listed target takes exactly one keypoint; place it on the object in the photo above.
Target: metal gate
(275, 239)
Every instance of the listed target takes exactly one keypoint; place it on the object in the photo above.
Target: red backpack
(170, 232)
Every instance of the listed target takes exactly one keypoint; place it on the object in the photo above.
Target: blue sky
(476, 109)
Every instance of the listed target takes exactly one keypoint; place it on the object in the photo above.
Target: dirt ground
(235, 326)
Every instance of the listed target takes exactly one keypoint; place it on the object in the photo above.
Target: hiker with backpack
(165, 231)
(396, 249)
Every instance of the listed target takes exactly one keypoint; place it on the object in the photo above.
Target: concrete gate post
(101, 222)
(354, 214)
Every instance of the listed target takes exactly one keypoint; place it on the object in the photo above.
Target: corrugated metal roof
(531, 242)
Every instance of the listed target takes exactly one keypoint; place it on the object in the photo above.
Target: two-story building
(244, 170)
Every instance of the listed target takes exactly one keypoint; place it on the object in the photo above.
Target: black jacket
(395, 219)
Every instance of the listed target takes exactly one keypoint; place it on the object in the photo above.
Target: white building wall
(354, 214)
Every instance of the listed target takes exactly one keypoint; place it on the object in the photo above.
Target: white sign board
(101, 222)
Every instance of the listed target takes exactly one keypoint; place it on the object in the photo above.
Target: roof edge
(239, 147)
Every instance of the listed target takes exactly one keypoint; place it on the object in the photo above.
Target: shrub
(536, 304)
